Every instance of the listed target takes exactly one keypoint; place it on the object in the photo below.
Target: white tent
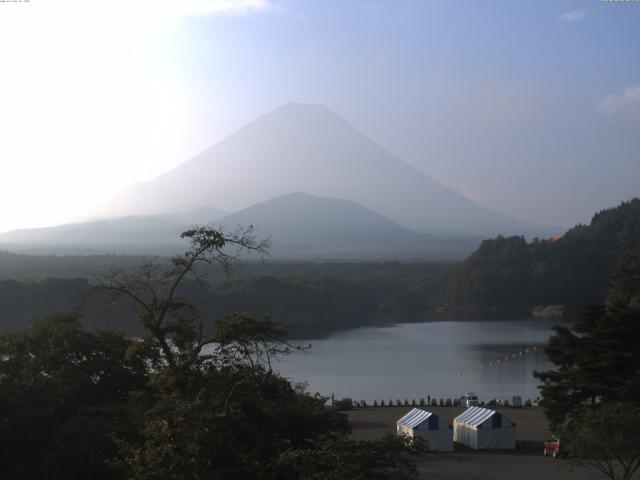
(427, 425)
(484, 429)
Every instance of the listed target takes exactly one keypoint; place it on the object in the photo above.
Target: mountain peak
(303, 107)
(309, 147)
(301, 119)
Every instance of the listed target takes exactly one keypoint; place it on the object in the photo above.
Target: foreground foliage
(63, 392)
(606, 438)
(389, 458)
(176, 403)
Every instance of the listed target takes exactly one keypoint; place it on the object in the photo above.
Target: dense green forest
(512, 274)
(15, 266)
(311, 299)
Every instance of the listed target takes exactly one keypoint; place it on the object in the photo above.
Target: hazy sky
(531, 108)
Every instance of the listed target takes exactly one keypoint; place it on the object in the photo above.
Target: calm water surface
(413, 360)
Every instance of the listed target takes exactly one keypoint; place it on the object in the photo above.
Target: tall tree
(597, 359)
(170, 323)
(216, 408)
(593, 399)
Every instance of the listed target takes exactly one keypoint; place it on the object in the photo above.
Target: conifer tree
(597, 359)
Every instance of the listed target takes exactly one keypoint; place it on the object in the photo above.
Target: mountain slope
(309, 148)
(132, 234)
(303, 226)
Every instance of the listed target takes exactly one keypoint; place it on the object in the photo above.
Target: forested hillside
(570, 270)
(506, 276)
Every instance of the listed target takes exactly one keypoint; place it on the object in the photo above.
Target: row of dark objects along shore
(434, 402)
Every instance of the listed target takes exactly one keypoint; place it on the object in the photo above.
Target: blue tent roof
(417, 416)
(475, 416)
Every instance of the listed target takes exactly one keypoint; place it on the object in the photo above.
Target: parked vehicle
(552, 447)
(469, 399)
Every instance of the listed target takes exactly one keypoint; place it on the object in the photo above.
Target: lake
(494, 359)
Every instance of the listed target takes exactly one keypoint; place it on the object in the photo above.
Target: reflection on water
(419, 359)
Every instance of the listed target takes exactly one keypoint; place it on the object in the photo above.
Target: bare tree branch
(154, 288)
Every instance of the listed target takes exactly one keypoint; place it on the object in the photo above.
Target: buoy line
(500, 361)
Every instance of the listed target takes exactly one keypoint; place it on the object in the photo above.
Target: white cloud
(572, 16)
(166, 12)
(172, 10)
(627, 101)
(622, 111)
(235, 7)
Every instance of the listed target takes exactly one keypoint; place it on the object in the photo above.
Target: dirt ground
(524, 463)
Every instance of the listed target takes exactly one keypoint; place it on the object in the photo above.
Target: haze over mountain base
(311, 149)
